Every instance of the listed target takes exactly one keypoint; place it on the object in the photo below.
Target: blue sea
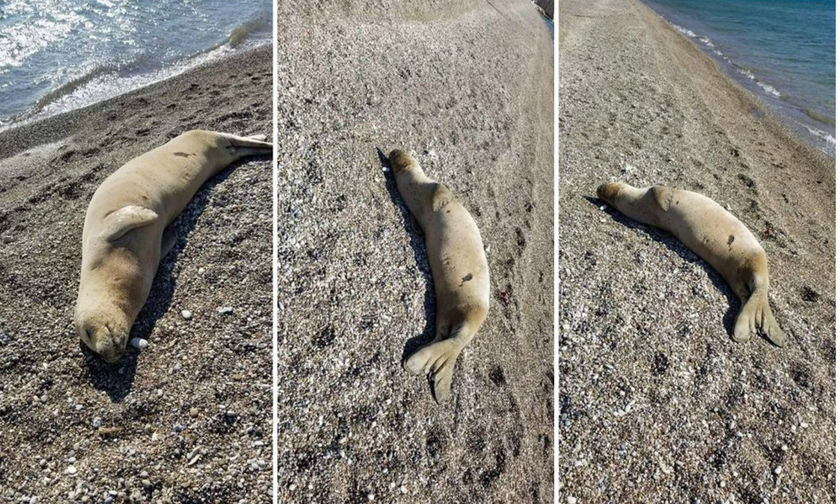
(58, 55)
(781, 50)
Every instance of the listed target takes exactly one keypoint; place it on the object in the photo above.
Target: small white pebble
(138, 343)
(186, 314)
(784, 447)
(201, 271)
(571, 500)
(225, 309)
(71, 470)
(777, 470)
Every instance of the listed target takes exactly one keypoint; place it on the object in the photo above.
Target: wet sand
(657, 403)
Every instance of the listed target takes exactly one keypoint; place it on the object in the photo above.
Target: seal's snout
(608, 191)
(400, 160)
(109, 345)
(110, 350)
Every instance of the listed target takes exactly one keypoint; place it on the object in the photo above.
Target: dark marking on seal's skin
(466, 278)
(730, 241)
(182, 154)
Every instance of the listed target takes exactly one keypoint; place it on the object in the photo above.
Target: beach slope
(189, 420)
(657, 403)
(466, 86)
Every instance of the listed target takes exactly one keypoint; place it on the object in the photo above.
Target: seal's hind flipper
(756, 316)
(438, 361)
(119, 222)
(443, 379)
(248, 146)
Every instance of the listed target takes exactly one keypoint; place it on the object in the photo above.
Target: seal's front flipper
(119, 222)
(756, 316)
(438, 361)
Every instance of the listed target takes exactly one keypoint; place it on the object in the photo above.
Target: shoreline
(21, 136)
(792, 116)
(210, 56)
(650, 380)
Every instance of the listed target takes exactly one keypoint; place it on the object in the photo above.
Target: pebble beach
(657, 403)
(188, 419)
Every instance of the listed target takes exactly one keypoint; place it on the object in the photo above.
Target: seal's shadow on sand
(116, 380)
(418, 245)
(674, 244)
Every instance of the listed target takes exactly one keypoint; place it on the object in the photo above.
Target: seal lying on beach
(126, 235)
(715, 235)
(459, 269)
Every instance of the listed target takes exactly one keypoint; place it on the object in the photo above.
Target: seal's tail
(756, 316)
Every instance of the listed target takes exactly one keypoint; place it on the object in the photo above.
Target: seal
(126, 230)
(715, 235)
(459, 270)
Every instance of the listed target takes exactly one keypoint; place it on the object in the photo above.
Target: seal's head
(400, 160)
(608, 192)
(104, 331)
(108, 302)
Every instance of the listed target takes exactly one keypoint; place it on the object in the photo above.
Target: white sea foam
(109, 85)
(821, 134)
(685, 31)
(828, 139)
(768, 89)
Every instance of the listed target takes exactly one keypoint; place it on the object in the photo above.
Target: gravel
(467, 86)
(657, 403)
(116, 423)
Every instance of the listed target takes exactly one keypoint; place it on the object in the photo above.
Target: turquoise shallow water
(782, 50)
(57, 55)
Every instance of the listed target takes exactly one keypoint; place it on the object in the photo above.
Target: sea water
(781, 50)
(58, 55)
